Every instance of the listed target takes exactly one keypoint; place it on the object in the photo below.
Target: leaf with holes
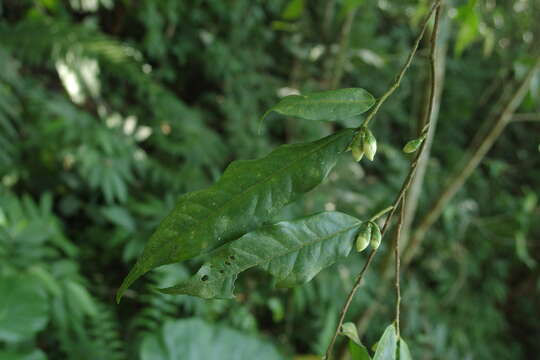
(325, 105)
(248, 193)
(292, 251)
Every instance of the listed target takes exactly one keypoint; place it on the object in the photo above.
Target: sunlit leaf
(294, 9)
(468, 28)
(248, 193)
(325, 105)
(292, 251)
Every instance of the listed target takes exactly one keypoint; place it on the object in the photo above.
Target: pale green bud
(369, 143)
(364, 237)
(413, 145)
(356, 146)
(376, 236)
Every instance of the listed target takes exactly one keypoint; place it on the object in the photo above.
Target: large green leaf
(247, 194)
(24, 307)
(292, 251)
(387, 345)
(194, 339)
(325, 105)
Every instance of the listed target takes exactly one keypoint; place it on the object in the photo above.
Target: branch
(533, 117)
(428, 116)
(406, 183)
(414, 192)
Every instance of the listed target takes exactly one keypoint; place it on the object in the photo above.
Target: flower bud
(364, 237)
(376, 236)
(357, 147)
(413, 145)
(369, 143)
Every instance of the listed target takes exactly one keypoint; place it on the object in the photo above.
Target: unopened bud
(413, 145)
(364, 237)
(376, 236)
(369, 143)
(357, 146)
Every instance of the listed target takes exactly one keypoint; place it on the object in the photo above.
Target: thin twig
(427, 121)
(397, 268)
(526, 117)
(406, 183)
(404, 68)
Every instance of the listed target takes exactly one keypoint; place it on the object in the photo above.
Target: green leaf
(24, 307)
(387, 345)
(193, 339)
(292, 251)
(325, 105)
(358, 351)
(404, 353)
(349, 330)
(248, 193)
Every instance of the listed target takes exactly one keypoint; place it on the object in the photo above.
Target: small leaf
(349, 330)
(292, 251)
(404, 353)
(325, 105)
(358, 351)
(248, 193)
(293, 10)
(387, 345)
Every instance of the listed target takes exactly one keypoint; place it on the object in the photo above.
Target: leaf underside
(387, 346)
(292, 251)
(329, 105)
(404, 352)
(248, 193)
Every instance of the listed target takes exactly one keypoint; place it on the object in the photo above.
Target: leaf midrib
(296, 249)
(251, 187)
(329, 101)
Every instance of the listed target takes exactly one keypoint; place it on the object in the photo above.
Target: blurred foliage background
(111, 109)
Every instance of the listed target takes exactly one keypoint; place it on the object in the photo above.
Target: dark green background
(109, 110)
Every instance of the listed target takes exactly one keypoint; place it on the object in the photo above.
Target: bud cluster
(363, 143)
(369, 234)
